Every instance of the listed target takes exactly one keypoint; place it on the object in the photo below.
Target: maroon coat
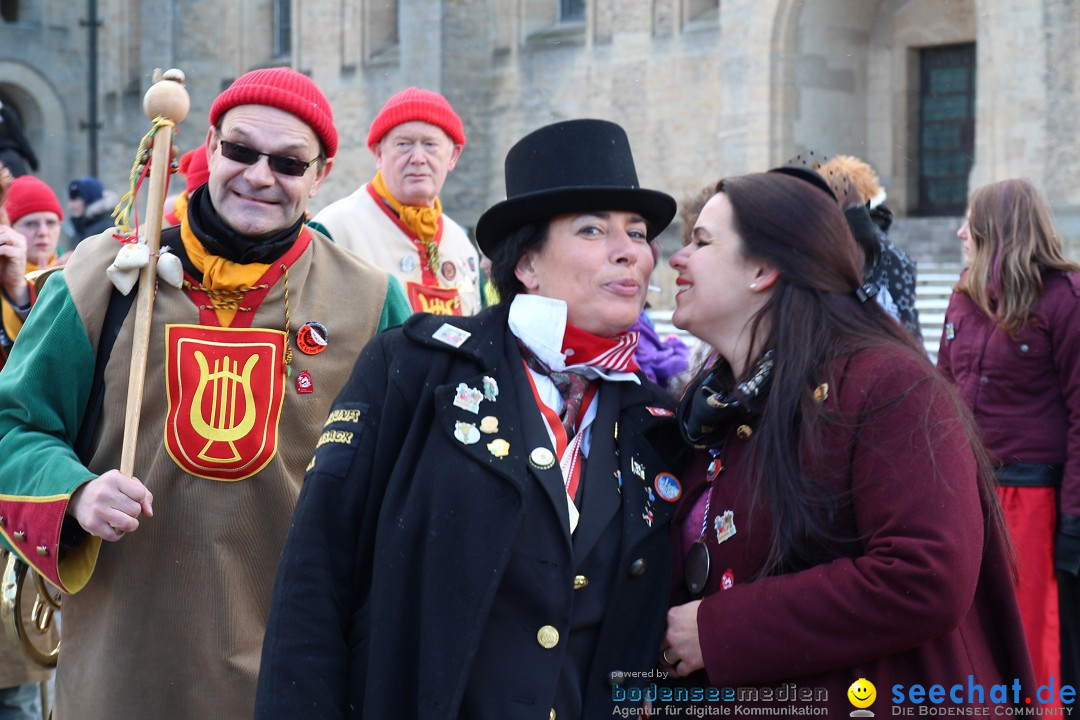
(925, 596)
(1034, 378)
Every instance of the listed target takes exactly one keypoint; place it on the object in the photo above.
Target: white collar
(540, 323)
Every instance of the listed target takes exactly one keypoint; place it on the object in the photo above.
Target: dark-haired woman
(483, 532)
(1011, 343)
(838, 524)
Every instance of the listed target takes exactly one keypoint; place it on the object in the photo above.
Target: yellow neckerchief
(31, 267)
(423, 221)
(219, 273)
(180, 206)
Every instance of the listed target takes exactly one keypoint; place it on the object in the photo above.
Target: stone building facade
(940, 96)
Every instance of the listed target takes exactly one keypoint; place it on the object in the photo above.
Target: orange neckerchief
(219, 273)
(31, 267)
(423, 221)
(180, 206)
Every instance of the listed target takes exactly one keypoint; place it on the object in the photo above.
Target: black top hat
(568, 167)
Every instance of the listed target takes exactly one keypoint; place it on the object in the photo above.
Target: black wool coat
(423, 575)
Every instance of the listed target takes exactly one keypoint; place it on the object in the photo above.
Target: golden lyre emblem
(225, 388)
(222, 426)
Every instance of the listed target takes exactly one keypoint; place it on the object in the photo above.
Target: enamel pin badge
(453, 336)
(468, 398)
(725, 526)
(312, 338)
(466, 432)
(491, 389)
(304, 384)
(668, 487)
(499, 447)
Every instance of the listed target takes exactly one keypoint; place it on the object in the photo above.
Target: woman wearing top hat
(481, 532)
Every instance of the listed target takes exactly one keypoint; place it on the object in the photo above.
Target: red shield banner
(434, 300)
(225, 389)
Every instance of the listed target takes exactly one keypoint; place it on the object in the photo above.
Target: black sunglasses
(280, 164)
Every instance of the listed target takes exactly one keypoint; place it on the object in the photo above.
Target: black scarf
(221, 240)
(706, 411)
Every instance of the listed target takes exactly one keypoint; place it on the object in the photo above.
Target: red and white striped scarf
(613, 353)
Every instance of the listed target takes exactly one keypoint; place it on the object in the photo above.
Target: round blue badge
(668, 487)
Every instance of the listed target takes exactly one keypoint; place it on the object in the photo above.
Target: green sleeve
(321, 228)
(43, 392)
(396, 308)
(44, 389)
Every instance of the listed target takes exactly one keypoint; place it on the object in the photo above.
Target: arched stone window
(282, 28)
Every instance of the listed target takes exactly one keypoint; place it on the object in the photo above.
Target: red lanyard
(569, 453)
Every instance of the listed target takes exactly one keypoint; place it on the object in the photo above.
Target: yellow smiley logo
(862, 693)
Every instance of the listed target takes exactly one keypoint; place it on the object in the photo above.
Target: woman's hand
(681, 647)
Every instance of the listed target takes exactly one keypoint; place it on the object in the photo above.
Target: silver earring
(753, 286)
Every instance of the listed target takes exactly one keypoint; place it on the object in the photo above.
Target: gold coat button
(580, 581)
(551, 715)
(42, 550)
(744, 431)
(548, 637)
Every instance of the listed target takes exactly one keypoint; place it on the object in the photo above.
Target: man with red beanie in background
(194, 168)
(28, 240)
(396, 220)
(165, 619)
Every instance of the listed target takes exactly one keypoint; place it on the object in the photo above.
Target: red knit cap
(28, 195)
(419, 105)
(193, 166)
(287, 90)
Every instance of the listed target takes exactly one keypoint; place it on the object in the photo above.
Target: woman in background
(1011, 343)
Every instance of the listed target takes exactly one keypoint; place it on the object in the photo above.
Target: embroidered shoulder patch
(339, 439)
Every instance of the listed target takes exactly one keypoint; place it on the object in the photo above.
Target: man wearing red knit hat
(169, 571)
(396, 220)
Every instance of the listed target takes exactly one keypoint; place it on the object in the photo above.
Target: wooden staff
(167, 99)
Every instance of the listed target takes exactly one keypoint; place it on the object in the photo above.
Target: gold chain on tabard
(288, 325)
(231, 299)
(223, 299)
